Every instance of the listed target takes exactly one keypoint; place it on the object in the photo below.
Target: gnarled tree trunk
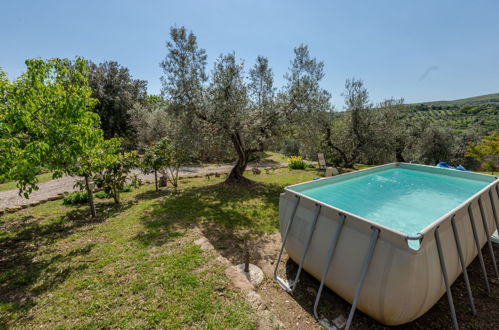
(236, 175)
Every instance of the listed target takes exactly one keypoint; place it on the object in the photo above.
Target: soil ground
(296, 311)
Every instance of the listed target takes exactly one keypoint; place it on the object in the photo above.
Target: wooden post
(156, 179)
(246, 257)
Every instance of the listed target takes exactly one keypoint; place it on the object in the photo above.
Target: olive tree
(246, 122)
(228, 105)
(150, 120)
(306, 104)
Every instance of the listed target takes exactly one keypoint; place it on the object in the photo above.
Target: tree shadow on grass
(226, 214)
(25, 272)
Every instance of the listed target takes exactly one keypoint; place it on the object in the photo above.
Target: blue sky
(419, 50)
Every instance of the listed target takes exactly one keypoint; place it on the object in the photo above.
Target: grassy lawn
(136, 265)
(12, 185)
(275, 157)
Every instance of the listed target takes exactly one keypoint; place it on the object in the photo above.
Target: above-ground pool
(378, 233)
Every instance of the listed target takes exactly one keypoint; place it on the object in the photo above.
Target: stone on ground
(255, 274)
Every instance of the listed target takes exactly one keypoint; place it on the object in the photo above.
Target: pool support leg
(365, 268)
(292, 285)
(463, 265)
(477, 244)
(487, 232)
(494, 211)
(330, 255)
(279, 280)
(446, 280)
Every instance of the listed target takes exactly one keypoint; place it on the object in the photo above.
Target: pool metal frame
(375, 232)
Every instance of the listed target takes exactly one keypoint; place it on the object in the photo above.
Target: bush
(102, 195)
(126, 188)
(296, 163)
(75, 198)
(291, 147)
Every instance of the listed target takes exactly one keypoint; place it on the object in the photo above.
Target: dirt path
(52, 188)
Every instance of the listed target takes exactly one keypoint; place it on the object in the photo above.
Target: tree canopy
(117, 92)
(46, 120)
(225, 104)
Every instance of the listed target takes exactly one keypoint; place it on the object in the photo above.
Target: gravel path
(52, 188)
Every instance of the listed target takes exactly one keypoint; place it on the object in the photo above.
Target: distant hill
(479, 113)
(482, 99)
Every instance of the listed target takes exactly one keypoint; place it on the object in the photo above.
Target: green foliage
(297, 163)
(239, 111)
(487, 152)
(482, 99)
(45, 120)
(102, 195)
(75, 198)
(480, 118)
(116, 173)
(117, 92)
(171, 157)
(306, 104)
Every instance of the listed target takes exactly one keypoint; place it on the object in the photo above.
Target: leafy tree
(93, 162)
(388, 133)
(306, 105)
(171, 157)
(434, 145)
(166, 158)
(151, 121)
(487, 152)
(117, 92)
(46, 120)
(153, 162)
(350, 134)
(117, 172)
(224, 105)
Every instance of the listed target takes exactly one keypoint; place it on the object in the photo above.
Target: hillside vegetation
(483, 117)
(481, 99)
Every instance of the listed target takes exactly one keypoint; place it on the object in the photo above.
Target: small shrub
(75, 198)
(135, 181)
(310, 166)
(126, 188)
(296, 163)
(102, 195)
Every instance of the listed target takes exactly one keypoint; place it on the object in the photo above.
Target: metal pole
(365, 267)
(446, 280)
(494, 212)
(486, 229)
(276, 278)
(477, 244)
(330, 255)
(293, 284)
(463, 265)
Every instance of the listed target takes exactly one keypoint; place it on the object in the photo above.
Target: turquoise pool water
(402, 199)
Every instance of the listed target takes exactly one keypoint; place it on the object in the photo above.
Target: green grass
(136, 266)
(275, 157)
(13, 185)
(362, 166)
